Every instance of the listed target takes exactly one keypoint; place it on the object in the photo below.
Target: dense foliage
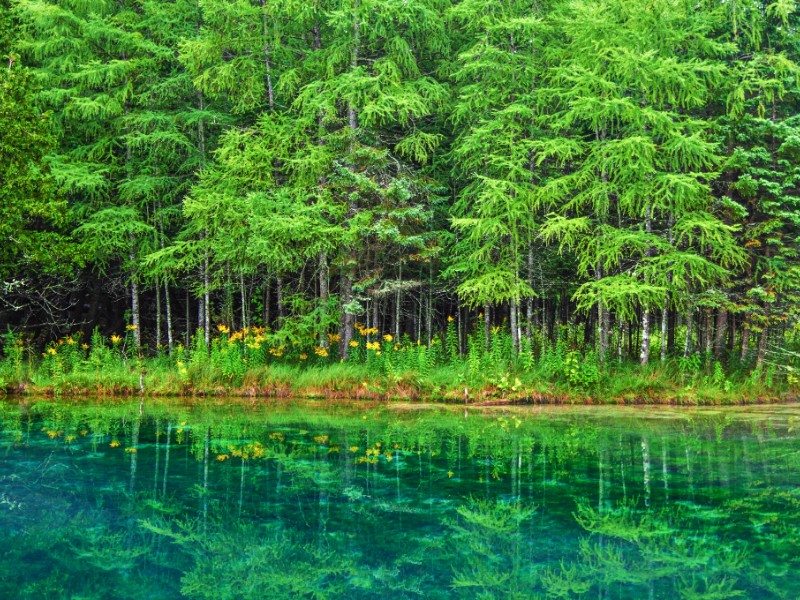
(616, 176)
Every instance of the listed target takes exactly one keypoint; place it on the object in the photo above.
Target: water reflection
(158, 500)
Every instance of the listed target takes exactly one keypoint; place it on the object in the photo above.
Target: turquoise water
(166, 500)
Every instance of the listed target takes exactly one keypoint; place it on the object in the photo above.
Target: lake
(169, 499)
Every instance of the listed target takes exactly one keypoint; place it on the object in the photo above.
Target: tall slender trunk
(512, 308)
(168, 307)
(265, 31)
(762, 341)
(158, 315)
(398, 303)
(664, 326)
(709, 330)
(243, 295)
(323, 293)
(529, 302)
(644, 356)
(602, 324)
(135, 316)
(205, 322)
(279, 293)
(206, 302)
(188, 331)
(201, 318)
(267, 298)
(746, 337)
(346, 280)
(487, 325)
(720, 333)
(348, 319)
(687, 345)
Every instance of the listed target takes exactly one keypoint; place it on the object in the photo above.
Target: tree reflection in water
(158, 500)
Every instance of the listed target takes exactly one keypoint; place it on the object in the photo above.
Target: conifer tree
(633, 198)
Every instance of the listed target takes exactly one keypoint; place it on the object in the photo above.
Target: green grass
(557, 374)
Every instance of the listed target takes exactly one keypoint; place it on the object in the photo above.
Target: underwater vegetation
(153, 499)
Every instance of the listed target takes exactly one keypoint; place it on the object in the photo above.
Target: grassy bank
(251, 364)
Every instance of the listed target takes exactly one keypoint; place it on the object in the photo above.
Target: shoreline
(487, 396)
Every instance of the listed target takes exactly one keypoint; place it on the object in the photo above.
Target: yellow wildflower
(52, 351)
(115, 339)
(221, 457)
(388, 337)
(303, 356)
(131, 450)
(353, 449)
(450, 319)
(320, 351)
(131, 327)
(223, 328)
(85, 346)
(354, 343)
(70, 341)
(334, 337)
(114, 443)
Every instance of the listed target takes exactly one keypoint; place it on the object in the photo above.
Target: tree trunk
(762, 341)
(243, 298)
(487, 326)
(158, 316)
(529, 302)
(279, 293)
(323, 294)
(201, 319)
(135, 317)
(348, 319)
(512, 307)
(687, 346)
(188, 331)
(267, 298)
(644, 356)
(265, 31)
(398, 302)
(168, 306)
(207, 303)
(746, 337)
(721, 331)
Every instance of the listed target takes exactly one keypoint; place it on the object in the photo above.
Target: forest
(524, 196)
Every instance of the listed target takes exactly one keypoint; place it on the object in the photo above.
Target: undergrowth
(255, 362)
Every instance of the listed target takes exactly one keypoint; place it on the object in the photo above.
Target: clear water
(165, 500)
